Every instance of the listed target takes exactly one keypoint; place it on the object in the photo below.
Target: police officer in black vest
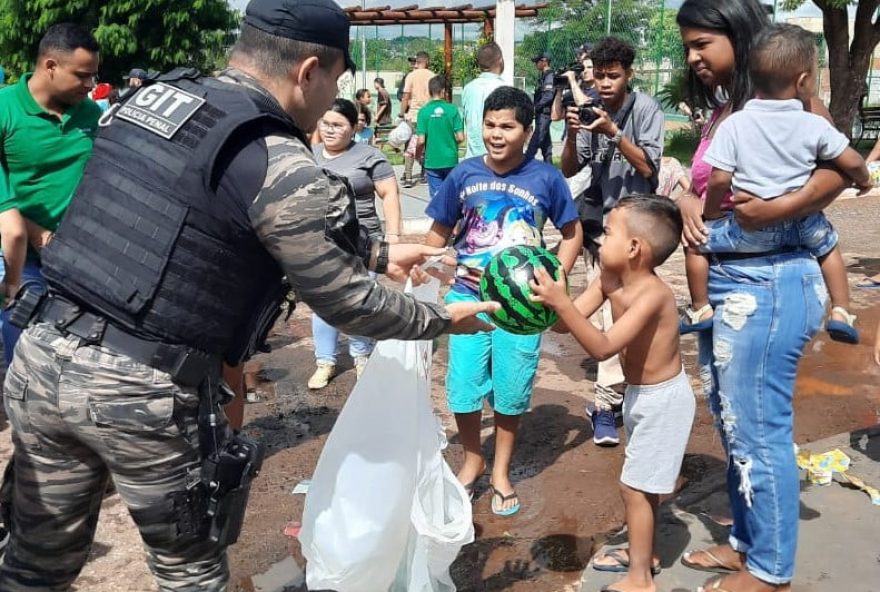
(544, 93)
(200, 196)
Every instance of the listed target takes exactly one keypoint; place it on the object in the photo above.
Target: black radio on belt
(227, 476)
(23, 308)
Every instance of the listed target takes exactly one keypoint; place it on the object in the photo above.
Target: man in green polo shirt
(47, 127)
(440, 130)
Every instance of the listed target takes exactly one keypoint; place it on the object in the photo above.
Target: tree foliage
(849, 56)
(150, 34)
(391, 54)
(566, 24)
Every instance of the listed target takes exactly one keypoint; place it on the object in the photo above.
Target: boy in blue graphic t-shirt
(498, 200)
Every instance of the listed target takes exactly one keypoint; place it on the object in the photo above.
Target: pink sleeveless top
(700, 169)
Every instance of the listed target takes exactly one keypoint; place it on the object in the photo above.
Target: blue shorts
(498, 366)
(813, 232)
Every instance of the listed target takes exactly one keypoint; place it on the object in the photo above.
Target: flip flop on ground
(715, 585)
(868, 282)
(620, 562)
(470, 486)
(496, 509)
(717, 565)
(469, 489)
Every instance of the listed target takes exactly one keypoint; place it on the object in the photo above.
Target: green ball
(506, 281)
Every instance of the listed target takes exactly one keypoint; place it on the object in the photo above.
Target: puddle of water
(284, 576)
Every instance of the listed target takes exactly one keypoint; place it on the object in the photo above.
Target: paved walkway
(837, 547)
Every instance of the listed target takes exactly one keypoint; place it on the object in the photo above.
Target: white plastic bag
(400, 135)
(384, 511)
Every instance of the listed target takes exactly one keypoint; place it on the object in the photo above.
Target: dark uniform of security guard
(544, 93)
(201, 194)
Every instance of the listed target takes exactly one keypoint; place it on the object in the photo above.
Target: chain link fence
(649, 25)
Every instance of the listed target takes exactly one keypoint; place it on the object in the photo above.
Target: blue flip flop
(622, 563)
(509, 511)
(690, 320)
(843, 331)
(868, 283)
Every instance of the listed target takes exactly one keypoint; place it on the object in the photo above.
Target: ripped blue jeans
(767, 308)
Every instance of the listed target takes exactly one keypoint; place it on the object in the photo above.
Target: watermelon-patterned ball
(506, 281)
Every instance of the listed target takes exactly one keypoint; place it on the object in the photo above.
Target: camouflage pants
(80, 415)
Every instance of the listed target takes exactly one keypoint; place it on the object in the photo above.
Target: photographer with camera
(576, 84)
(621, 141)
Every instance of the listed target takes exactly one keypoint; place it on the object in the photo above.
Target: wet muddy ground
(567, 485)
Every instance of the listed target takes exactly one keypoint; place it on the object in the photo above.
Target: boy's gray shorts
(657, 419)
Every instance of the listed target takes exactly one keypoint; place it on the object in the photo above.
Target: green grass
(681, 144)
(394, 157)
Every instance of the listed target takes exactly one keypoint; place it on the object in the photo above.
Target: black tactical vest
(148, 243)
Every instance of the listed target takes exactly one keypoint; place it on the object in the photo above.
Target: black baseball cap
(321, 22)
(541, 56)
(137, 73)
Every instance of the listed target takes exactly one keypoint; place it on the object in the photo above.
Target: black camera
(586, 113)
(559, 78)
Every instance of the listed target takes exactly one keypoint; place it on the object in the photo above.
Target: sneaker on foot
(322, 375)
(360, 362)
(604, 430)
(617, 409)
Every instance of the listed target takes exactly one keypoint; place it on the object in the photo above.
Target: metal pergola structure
(447, 16)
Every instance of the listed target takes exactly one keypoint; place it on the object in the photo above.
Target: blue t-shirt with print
(498, 211)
